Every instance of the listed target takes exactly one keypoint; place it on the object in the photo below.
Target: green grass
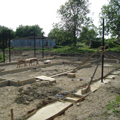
(80, 48)
(112, 105)
(115, 49)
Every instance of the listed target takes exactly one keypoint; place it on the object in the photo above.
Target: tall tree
(88, 34)
(111, 13)
(24, 31)
(73, 15)
(4, 32)
(61, 36)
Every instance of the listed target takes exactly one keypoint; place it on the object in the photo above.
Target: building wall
(30, 43)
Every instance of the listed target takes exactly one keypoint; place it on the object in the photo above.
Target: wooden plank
(50, 111)
(45, 78)
(111, 77)
(72, 99)
(115, 73)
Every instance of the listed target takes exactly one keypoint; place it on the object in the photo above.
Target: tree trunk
(74, 39)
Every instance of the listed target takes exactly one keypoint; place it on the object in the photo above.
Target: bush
(111, 44)
(1, 58)
(95, 44)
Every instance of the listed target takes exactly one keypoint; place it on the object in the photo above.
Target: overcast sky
(42, 12)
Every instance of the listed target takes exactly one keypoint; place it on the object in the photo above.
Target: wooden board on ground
(96, 85)
(107, 65)
(111, 76)
(115, 73)
(72, 99)
(45, 78)
(50, 111)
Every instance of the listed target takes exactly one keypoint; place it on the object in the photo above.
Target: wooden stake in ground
(12, 114)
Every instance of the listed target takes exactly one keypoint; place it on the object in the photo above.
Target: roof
(32, 38)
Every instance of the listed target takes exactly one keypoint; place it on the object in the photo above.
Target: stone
(78, 104)
(71, 75)
(83, 91)
(20, 90)
(27, 102)
(47, 62)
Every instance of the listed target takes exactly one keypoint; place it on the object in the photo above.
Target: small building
(29, 42)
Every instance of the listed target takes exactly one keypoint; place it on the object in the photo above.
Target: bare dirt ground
(24, 99)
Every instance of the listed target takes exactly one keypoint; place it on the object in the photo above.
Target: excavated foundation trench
(56, 70)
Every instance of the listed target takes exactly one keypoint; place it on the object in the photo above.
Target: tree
(61, 36)
(74, 15)
(88, 34)
(4, 32)
(111, 14)
(24, 31)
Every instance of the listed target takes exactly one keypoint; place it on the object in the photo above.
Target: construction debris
(71, 75)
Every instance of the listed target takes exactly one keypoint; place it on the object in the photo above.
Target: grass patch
(115, 49)
(113, 106)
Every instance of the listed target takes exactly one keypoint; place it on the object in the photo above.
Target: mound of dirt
(42, 91)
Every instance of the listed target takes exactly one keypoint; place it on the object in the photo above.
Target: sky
(38, 12)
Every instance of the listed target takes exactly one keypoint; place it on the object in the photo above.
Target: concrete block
(32, 80)
(47, 62)
(1, 79)
(83, 91)
(71, 75)
(15, 83)
(4, 83)
(27, 81)
(3, 72)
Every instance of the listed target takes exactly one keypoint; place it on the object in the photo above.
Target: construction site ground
(26, 98)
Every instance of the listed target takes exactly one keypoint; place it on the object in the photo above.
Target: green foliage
(24, 31)
(117, 99)
(1, 58)
(61, 36)
(115, 111)
(113, 105)
(73, 15)
(115, 49)
(88, 34)
(4, 33)
(79, 44)
(111, 44)
(111, 13)
(95, 44)
(67, 49)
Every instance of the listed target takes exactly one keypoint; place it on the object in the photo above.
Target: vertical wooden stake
(12, 114)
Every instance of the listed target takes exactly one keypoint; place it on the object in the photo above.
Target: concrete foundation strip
(27, 68)
(64, 73)
(2, 64)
